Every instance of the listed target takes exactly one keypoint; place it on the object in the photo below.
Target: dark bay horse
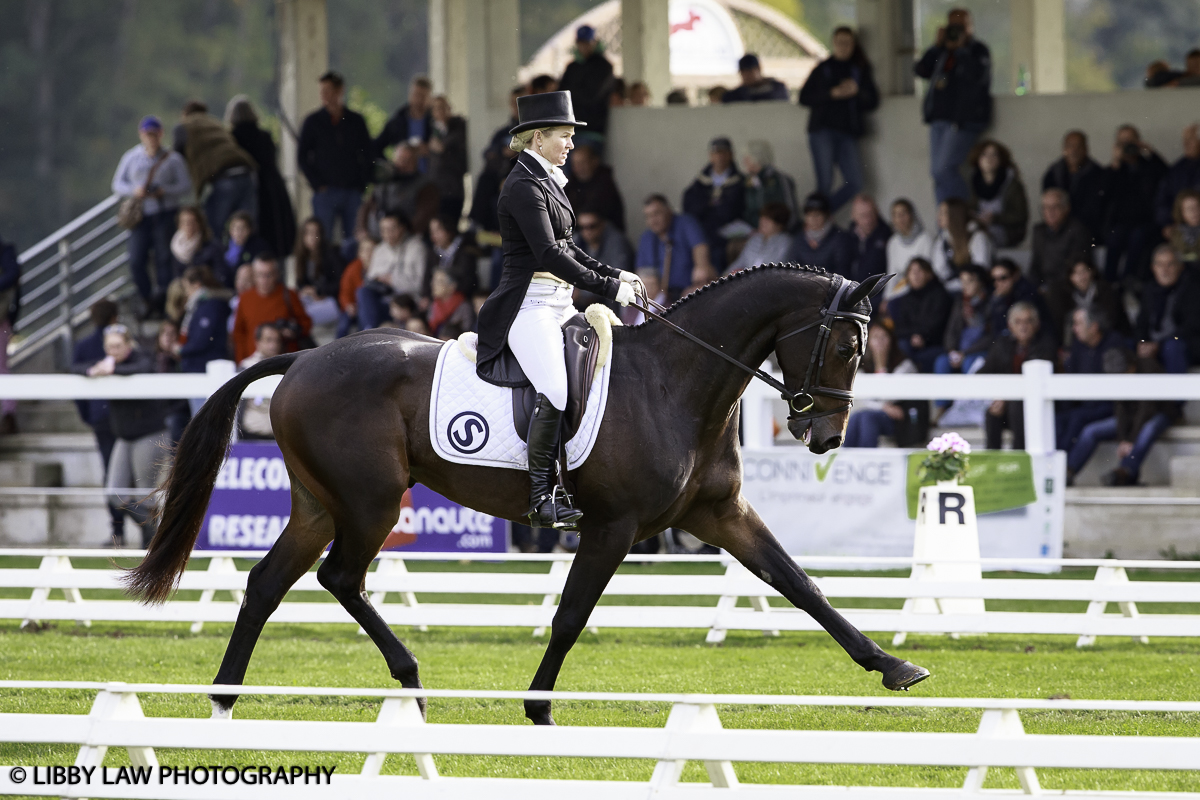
(352, 420)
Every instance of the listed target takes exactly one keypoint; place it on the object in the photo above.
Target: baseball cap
(585, 33)
(748, 61)
(150, 123)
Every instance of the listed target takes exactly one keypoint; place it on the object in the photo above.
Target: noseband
(800, 404)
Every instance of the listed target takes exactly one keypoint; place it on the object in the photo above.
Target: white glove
(625, 294)
(634, 281)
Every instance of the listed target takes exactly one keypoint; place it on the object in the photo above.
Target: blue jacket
(869, 256)
(88, 351)
(1184, 174)
(835, 252)
(207, 334)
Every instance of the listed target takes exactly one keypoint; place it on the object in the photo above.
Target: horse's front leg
(733, 524)
(601, 551)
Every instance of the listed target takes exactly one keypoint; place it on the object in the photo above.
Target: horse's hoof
(538, 712)
(904, 675)
(220, 710)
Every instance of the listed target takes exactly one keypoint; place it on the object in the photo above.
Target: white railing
(1111, 584)
(693, 732)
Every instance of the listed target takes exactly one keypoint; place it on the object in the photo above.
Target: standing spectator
(1059, 241)
(241, 246)
(334, 153)
(400, 189)
(140, 431)
(1168, 324)
(10, 302)
(869, 236)
(765, 183)
(589, 79)
(541, 84)
(448, 158)
(1009, 287)
(592, 186)
(674, 246)
(841, 92)
(353, 278)
(412, 123)
(716, 198)
(1185, 233)
(1135, 424)
(215, 159)
(921, 314)
(755, 86)
(822, 243)
(159, 179)
(455, 253)
(498, 161)
(256, 411)
(958, 102)
(276, 219)
(1133, 179)
(268, 300)
(960, 241)
(1025, 342)
(318, 271)
(1183, 175)
(1083, 286)
(909, 240)
(1091, 339)
(1084, 181)
(770, 243)
(398, 266)
(875, 418)
(1191, 69)
(95, 413)
(602, 240)
(997, 194)
(450, 312)
(968, 337)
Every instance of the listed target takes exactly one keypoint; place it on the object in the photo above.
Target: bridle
(800, 404)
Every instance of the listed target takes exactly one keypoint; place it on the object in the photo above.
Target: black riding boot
(548, 505)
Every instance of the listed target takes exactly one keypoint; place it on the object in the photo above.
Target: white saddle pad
(472, 420)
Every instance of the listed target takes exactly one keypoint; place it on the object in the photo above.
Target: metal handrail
(70, 227)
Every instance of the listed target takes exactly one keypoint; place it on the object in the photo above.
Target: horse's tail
(198, 459)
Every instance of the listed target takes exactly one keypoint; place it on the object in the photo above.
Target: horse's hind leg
(308, 530)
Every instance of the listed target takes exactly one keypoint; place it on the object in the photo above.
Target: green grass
(624, 661)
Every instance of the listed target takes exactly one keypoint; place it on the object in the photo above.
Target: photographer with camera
(958, 105)
(269, 301)
(1131, 230)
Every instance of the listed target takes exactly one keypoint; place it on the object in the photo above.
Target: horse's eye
(846, 351)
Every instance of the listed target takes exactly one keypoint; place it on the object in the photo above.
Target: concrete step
(45, 520)
(49, 416)
(1185, 473)
(30, 473)
(76, 453)
(1133, 530)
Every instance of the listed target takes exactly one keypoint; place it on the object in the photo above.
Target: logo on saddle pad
(467, 432)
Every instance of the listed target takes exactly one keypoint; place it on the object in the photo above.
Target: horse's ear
(868, 288)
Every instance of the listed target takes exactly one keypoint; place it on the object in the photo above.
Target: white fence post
(1110, 575)
(1001, 723)
(728, 602)
(1039, 409)
(222, 565)
(692, 718)
(397, 712)
(113, 704)
(394, 566)
(41, 593)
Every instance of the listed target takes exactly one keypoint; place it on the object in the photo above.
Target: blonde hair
(521, 141)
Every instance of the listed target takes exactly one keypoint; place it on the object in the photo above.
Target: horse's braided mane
(743, 273)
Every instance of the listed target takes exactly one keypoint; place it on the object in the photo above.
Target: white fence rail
(392, 578)
(693, 732)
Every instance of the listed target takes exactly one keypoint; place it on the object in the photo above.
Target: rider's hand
(634, 281)
(625, 294)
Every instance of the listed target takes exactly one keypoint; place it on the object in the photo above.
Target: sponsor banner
(854, 502)
(251, 503)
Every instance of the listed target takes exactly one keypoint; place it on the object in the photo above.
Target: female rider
(520, 333)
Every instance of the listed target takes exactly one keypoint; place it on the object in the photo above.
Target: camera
(1131, 150)
(955, 33)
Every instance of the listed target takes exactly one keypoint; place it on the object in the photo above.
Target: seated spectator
(652, 281)
(770, 243)
(318, 270)
(243, 281)
(1059, 241)
(968, 337)
(674, 245)
(498, 161)
(215, 159)
(402, 312)
(166, 362)
(1159, 74)
(352, 281)
(192, 244)
(448, 158)
(203, 333)
(960, 240)
(541, 84)
(639, 94)
(1135, 424)
(1025, 342)
(450, 313)
(268, 300)
(1185, 233)
(399, 188)
(256, 411)
(1085, 287)
(997, 198)
(875, 418)
(241, 246)
(592, 186)
(618, 94)
(1168, 323)
(603, 241)
(1092, 337)
(1083, 179)
(909, 240)
(1133, 179)
(1191, 69)
(920, 315)
(454, 252)
(1184, 175)
(716, 198)
(140, 429)
(765, 183)
(678, 97)
(868, 237)
(755, 86)
(821, 243)
(399, 265)
(1009, 286)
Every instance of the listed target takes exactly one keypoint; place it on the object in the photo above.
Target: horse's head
(819, 359)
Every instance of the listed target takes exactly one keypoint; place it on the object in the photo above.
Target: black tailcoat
(536, 222)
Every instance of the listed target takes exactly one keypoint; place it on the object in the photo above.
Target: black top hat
(547, 110)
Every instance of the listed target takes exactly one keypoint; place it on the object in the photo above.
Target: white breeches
(536, 339)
